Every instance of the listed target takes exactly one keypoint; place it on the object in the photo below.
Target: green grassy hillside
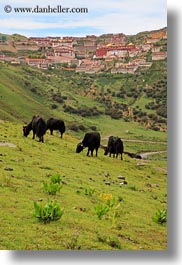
(81, 98)
(25, 164)
(129, 194)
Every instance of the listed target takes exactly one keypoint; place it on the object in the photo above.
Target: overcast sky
(103, 16)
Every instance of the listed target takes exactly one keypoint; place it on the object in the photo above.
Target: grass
(25, 167)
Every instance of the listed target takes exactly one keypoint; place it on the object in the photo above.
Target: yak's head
(79, 148)
(106, 150)
(25, 131)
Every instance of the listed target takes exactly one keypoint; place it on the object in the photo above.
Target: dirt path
(146, 154)
(143, 141)
(137, 141)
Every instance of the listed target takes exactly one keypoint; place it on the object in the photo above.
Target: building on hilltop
(64, 51)
(157, 56)
(43, 63)
(129, 68)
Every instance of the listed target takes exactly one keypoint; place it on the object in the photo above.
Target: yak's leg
(88, 152)
(34, 132)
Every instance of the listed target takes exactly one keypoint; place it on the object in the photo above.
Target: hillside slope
(80, 98)
(137, 190)
(17, 102)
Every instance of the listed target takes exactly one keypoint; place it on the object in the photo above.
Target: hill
(140, 98)
(108, 204)
(9, 40)
(142, 37)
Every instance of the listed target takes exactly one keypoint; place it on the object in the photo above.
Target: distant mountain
(15, 37)
(141, 37)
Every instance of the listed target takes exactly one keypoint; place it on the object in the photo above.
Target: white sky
(104, 16)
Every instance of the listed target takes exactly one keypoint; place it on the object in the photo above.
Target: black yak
(90, 140)
(114, 146)
(38, 125)
(56, 124)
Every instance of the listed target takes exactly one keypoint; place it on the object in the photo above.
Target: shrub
(111, 202)
(33, 90)
(51, 188)
(133, 188)
(82, 111)
(162, 111)
(57, 97)
(101, 210)
(93, 128)
(73, 127)
(116, 115)
(51, 211)
(108, 204)
(160, 217)
(54, 106)
(155, 128)
(82, 127)
(56, 179)
(69, 109)
(89, 191)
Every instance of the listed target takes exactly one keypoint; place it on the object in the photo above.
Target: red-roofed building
(102, 52)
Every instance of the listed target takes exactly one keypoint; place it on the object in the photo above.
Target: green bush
(51, 211)
(56, 179)
(160, 216)
(51, 188)
(101, 210)
(133, 188)
(89, 191)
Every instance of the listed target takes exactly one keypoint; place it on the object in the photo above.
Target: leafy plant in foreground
(133, 188)
(108, 205)
(51, 188)
(54, 185)
(89, 191)
(51, 211)
(101, 210)
(56, 179)
(160, 216)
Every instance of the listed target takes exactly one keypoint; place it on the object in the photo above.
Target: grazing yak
(114, 146)
(90, 140)
(38, 125)
(56, 124)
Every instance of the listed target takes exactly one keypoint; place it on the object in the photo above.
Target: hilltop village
(114, 53)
